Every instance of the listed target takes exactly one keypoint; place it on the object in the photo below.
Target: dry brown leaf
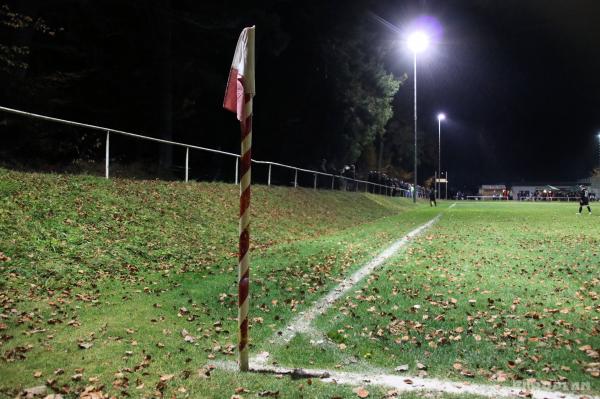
(361, 392)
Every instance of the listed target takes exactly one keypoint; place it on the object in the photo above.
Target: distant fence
(343, 181)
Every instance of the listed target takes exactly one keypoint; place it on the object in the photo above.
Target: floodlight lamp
(441, 117)
(418, 41)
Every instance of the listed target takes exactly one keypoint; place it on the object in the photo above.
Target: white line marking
(302, 323)
(411, 383)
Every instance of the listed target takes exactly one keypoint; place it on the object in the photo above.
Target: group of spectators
(549, 195)
(461, 196)
(399, 187)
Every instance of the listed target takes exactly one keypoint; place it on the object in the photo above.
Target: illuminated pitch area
(504, 293)
(121, 293)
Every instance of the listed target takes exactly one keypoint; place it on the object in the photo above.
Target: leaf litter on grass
(132, 281)
(475, 302)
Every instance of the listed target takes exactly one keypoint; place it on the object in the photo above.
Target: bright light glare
(418, 42)
(441, 117)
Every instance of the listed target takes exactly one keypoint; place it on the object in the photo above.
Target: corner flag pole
(244, 256)
(238, 98)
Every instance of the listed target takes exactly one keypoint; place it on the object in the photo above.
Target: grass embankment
(130, 286)
(502, 293)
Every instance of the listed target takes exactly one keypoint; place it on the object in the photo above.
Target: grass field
(129, 288)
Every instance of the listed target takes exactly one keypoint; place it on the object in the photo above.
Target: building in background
(550, 191)
(495, 191)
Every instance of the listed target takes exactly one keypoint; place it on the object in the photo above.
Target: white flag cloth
(241, 77)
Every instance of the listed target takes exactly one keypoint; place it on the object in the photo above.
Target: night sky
(519, 80)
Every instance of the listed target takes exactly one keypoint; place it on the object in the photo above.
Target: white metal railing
(381, 188)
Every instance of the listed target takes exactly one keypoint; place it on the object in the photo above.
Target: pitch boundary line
(302, 323)
(409, 383)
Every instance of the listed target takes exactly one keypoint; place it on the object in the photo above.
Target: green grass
(494, 292)
(127, 265)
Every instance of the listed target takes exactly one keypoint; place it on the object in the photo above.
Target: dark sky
(519, 81)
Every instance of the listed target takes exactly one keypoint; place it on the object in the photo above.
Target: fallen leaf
(34, 391)
(241, 390)
(361, 392)
(268, 393)
(187, 337)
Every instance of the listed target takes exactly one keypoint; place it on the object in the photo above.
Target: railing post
(269, 178)
(333, 182)
(295, 178)
(187, 163)
(107, 155)
(366, 187)
(315, 184)
(237, 160)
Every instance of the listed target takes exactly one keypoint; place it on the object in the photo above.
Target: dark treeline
(325, 97)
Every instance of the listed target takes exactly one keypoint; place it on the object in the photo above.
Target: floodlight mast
(440, 118)
(417, 42)
(598, 150)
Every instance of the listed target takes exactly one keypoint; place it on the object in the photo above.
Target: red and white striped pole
(238, 98)
(244, 256)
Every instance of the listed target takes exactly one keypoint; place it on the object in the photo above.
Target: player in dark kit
(584, 200)
(432, 198)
